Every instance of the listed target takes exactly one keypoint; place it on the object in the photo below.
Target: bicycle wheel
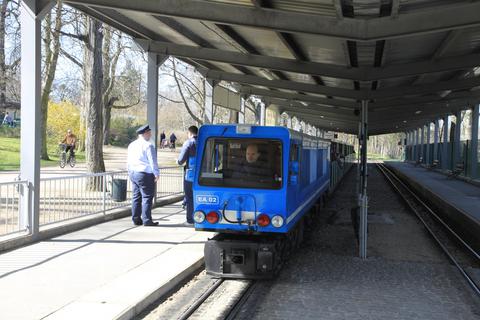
(72, 161)
(63, 160)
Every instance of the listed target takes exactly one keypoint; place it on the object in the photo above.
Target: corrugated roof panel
(366, 53)
(396, 82)
(362, 8)
(298, 77)
(321, 7)
(467, 42)
(240, 2)
(266, 42)
(337, 83)
(409, 49)
(323, 49)
(407, 6)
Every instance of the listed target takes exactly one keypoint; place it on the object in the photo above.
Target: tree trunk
(110, 60)
(52, 50)
(107, 115)
(94, 108)
(3, 69)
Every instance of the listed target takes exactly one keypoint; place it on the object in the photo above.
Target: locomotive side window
(242, 163)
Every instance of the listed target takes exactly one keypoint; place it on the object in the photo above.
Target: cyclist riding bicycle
(70, 142)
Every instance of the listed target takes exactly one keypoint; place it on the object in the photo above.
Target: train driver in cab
(254, 166)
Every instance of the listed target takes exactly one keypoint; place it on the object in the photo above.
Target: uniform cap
(143, 129)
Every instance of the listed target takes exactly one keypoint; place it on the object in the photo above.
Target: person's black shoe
(150, 224)
(138, 222)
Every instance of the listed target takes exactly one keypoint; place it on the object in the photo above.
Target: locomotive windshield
(242, 163)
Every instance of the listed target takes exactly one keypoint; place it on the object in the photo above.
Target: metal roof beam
(299, 97)
(284, 84)
(424, 21)
(252, 60)
(465, 96)
(390, 93)
(312, 68)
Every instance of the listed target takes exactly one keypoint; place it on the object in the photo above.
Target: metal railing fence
(66, 198)
(10, 207)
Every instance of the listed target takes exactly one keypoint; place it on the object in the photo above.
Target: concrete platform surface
(457, 193)
(110, 271)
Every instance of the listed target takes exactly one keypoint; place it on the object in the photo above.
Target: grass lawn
(10, 155)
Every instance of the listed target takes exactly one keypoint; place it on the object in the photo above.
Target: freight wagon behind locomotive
(254, 186)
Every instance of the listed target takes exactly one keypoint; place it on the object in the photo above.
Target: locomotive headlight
(199, 216)
(277, 221)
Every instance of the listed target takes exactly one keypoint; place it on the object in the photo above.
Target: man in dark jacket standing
(189, 149)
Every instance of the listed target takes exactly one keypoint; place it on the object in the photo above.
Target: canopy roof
(413, 60)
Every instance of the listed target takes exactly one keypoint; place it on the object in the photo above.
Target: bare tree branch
(168, 99)
(71, 58)
(198, 120)
(80, 37)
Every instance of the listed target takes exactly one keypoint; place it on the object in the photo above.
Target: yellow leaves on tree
(61, 117)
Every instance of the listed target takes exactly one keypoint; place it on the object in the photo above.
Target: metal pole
(446, 127)
(263, 113)
(31, 14)
(474, 145)
(436, 139)
(364, 198)
(415, 156)
(358, 161)
(422, 142)
(208, 102)
(154, 61)
(456, 142)
(105, 193)
(427, 147)
(241, 114)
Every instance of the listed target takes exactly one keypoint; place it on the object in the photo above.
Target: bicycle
(63, 157)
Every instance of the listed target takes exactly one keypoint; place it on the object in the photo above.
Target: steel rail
(231, 312)
(197, 303)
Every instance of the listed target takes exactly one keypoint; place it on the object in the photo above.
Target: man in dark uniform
(189, 149)
(143, 172)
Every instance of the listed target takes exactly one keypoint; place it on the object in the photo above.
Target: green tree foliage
(122, 130)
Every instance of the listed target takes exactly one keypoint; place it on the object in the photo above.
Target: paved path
(115, 159)
(102, 272)
(406, 276)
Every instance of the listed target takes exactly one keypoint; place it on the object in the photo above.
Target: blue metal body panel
(291, 201)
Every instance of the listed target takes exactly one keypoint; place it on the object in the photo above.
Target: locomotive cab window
(242, 163)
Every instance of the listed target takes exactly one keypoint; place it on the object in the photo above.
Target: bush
(61, 117)
(122, 130)
(8, 132)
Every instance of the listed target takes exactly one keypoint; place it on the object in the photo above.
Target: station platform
(109, 271)
(458, 193)
(457, 200)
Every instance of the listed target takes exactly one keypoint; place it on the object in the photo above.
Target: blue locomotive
(254, 186)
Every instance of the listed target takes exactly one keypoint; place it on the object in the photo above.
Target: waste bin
(119, 190)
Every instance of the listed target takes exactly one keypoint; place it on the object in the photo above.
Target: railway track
(222, 299)
(458, 251)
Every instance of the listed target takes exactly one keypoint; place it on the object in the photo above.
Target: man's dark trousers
(142, 197)
(188, 190)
